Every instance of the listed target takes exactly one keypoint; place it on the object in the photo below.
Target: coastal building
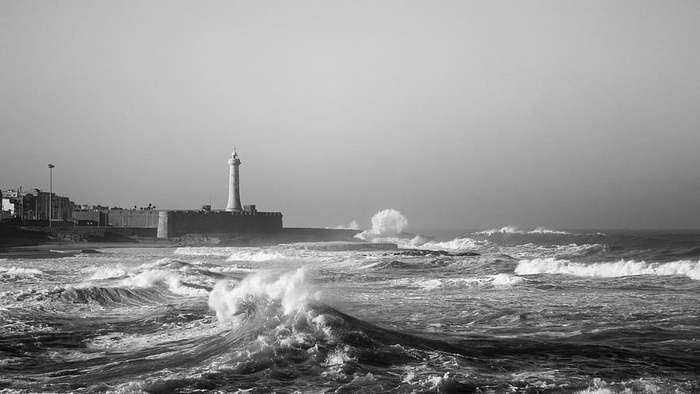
(133, 218)
(101, 216)
(33, 206)
(5, 212)
(238, 222)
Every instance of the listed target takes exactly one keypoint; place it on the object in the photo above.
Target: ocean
(496, 311)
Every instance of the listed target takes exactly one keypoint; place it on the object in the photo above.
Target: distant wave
(515, 230)
(499, 280)
(608, 270)
(543, 230)
(455, 245)
(234, 253)
(502, 230)
(257, 256)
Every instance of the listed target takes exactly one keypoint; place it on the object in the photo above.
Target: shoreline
(27, 243)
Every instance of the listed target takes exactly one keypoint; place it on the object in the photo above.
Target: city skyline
(473, 115)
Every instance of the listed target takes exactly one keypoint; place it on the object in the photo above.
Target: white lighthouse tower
(234, 193)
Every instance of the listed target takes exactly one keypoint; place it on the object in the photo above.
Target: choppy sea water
(537, 311)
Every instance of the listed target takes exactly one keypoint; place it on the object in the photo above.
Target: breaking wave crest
(608, 270)
(288, 291)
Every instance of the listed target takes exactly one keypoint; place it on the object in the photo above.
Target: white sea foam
(19, 271)
(157, 264)
(531, 250)
(515, 230)
(499, 280)
(543, 230)
(106, 272)
(231, 268)
(608, 270)
(289, 289)
(506, 280)
(455, 245)
(386, 223)
(151, 278)
(337, 357)
(257, 255)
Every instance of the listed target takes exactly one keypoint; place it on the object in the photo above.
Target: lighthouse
(234, 193)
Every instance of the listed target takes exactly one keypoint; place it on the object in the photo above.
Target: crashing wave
(385, 224)
(289, 290)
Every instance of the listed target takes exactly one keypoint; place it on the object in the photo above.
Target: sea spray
(386, 223)
(290, 290)
(352, 226)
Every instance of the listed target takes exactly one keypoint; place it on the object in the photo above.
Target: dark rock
(423, 252)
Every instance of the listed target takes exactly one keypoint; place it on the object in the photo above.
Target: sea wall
(177, 223)
(133, 218)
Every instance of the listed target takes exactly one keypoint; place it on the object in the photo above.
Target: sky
(460, 114)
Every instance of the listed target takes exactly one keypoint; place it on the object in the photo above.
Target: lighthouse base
(177, 223)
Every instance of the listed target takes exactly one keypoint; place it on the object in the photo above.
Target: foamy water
(526, 311)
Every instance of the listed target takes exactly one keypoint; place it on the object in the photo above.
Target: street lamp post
(51, 166)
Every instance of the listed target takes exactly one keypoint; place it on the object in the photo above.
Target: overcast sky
(460, 114)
